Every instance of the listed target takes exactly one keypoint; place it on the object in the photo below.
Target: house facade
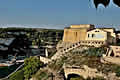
(97, 35)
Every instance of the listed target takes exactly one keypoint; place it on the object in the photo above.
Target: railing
(91, 43)
(44, 59)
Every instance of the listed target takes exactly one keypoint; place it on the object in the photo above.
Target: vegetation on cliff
(31, 66)
(90, 57)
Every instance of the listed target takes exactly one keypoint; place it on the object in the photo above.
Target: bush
(94, 52)
(19, 75)
(31, 66)
(97, 78)
(77, 78)
(118, 72)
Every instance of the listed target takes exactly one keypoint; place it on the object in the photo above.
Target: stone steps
(65, 49)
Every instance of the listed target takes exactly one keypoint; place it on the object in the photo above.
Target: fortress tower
(75, 33)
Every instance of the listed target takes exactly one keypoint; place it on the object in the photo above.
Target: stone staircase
(61, 52)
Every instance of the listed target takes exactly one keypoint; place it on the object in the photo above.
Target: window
(93, 35)
(96, 31)
(75, 33)
(88, 35)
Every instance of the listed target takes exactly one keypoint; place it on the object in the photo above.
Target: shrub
(94, 52)
(118, 72)
(77, 78)
(97, 78)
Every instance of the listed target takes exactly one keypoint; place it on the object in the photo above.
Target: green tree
(31, 65)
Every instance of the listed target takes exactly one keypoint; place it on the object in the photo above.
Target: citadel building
(88, 33)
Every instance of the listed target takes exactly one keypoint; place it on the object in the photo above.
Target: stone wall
(112, 60)
(74, 35)
(44, 60)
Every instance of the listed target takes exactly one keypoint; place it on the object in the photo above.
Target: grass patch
(19, 75)
(41, 75)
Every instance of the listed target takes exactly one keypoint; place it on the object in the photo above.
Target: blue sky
(56, 12)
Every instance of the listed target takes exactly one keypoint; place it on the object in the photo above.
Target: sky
(56, 13)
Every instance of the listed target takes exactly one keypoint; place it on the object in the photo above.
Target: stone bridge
(85, 72)
(88, 43)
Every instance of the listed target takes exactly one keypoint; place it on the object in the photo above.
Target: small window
(99, 42)
(96, 31)
(88, 35)
(93, 35)
(76, 33)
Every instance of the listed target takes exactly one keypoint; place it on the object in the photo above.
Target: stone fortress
(88, 32)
